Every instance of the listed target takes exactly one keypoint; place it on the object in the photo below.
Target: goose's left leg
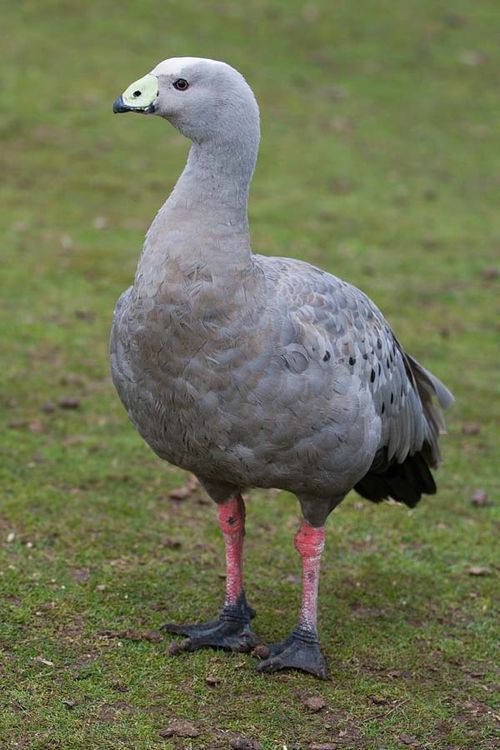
(231, 630)
(301, 650)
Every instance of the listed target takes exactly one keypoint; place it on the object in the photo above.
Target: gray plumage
(254, 371)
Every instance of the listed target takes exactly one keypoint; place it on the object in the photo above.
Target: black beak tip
(119, 106)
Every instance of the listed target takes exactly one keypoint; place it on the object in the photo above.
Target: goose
(256, 371)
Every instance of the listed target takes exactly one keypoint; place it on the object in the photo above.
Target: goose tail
(411, 478)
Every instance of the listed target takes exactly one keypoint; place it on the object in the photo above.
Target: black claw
(190, 630)
(300, 650)
(231, 631)
(231, 636)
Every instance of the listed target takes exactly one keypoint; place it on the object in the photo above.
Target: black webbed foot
(231, 631)
(299, 651)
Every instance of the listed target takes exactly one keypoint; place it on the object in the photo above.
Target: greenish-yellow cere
(142, 92)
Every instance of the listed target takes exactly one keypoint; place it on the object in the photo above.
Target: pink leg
(309, 543)
(232, 628)
(232, 525)
(301, 650)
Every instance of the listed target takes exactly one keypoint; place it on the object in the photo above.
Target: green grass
(380, 161)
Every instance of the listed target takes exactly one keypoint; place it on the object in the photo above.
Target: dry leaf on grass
(314, 703)
(180, 729)
(45, 662)
(479, 570)
(69, 402)
(244, 743)
(80, 575)
(379, 700)
(170, 543)
(479, 498)
(213, 680)
(186, 490)
(471, 428)
(407, 739)
(179, 493)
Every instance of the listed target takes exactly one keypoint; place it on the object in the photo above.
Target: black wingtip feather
(405, 482)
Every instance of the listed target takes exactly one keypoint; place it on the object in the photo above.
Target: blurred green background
(380, 161)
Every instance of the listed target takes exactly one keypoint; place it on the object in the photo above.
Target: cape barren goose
(253, 371)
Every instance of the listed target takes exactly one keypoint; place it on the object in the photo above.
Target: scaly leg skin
(231, 631)
(301, 649)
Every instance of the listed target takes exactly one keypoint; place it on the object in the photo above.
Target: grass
(380, 161)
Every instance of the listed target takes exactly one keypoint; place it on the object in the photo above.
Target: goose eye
(181, 84)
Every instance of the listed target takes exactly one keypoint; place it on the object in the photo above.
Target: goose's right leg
(231, 631)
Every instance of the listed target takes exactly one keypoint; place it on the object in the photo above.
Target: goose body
(255, 371)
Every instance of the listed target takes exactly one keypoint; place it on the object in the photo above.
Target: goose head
(204, 99)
